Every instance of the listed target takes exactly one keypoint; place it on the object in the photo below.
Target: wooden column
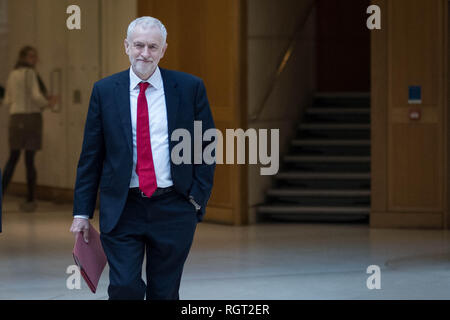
(409, 166)
(207, 38)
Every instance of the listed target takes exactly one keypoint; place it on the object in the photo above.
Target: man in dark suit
(148, 204)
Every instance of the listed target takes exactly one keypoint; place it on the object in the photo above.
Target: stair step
(320, 175)
(277, 209)
(337, 110)
(327, 172)
(326, 159)
(338, 126)
(330, 142)
(317, 193)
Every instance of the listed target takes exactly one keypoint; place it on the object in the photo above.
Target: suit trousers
(163, 229)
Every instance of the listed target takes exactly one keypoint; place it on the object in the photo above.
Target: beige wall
(15, 39)
(82, 57)
(270, 25)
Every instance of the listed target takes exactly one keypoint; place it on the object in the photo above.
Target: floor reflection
(265, 261)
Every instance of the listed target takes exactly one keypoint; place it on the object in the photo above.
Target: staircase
(326, 174)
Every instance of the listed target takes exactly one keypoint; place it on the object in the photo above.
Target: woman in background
(27, 97)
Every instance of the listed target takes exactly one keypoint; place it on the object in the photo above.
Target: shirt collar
(155, 80)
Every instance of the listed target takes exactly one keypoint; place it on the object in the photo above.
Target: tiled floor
(266, 261)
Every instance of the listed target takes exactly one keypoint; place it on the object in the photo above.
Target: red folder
(90, 257)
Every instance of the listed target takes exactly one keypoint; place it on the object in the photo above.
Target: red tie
(144, 166)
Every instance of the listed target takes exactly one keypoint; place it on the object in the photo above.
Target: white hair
(145, 23)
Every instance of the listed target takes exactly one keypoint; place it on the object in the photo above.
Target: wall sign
(414, 94)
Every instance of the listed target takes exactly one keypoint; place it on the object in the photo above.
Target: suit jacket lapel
(122, 93)
(172, 100)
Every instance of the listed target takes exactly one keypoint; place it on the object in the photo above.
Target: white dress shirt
(159, 135)
(159, 132)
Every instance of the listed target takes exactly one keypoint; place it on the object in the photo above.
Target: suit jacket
(106, 158)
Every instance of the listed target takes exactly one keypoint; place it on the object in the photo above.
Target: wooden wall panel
(409, 156)
(415, 149)
(416, 168)
(415, 49)
(222, 177)
(168, 12)
(447, 117)
(205, 39)
(378, 106)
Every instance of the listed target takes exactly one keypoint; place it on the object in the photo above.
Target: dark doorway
(343, 46)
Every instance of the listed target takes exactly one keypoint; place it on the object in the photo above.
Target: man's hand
(80, 225)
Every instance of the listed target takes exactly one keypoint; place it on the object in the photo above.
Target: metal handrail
(282, 65)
